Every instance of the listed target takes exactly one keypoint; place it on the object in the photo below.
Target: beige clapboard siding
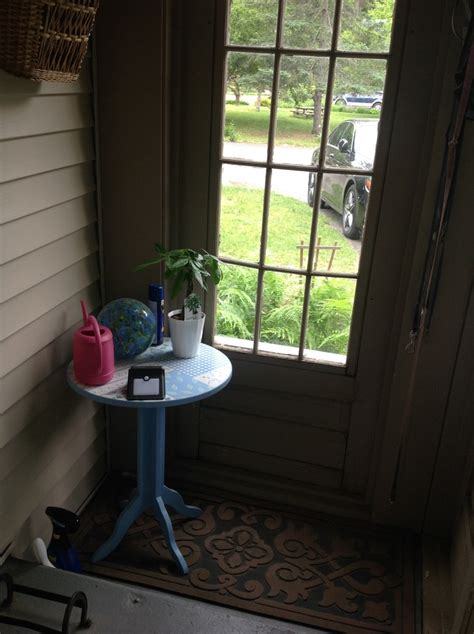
(24, 308)
(37, 193)
(29, 340)
(21, 490)
(69, 492)
(34, 155)
(11, 85)
(43, 227)
(283, 406)
(270, 437)
(269, 465)
(67, 411)
(30, 116)
(51, 441)
(17, 383)
(32, 268)
(31, 406)
(50, 461)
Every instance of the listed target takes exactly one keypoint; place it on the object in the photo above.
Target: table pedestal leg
(175, 500)
(124, 521)
(164, 520)
(151, 489)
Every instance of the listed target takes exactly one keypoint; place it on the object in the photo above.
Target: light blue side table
(187, 381)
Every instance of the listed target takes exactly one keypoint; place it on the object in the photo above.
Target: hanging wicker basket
(45, 39)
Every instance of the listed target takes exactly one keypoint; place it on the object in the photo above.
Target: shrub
(330, 312)
(266, 102)
(236, 302)
(230, 133)
(353, 110)
(329, 318)
(233, 102)
(286, 103)
(366, 111)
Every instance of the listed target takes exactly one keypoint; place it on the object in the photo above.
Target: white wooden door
(288, 428)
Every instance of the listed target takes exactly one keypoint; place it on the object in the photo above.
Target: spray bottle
(60, 550)
(156, 303)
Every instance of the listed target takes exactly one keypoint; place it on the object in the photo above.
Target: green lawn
(331, 300)
(251, 126)
(289, 224)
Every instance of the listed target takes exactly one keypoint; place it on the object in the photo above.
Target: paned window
(304, 85)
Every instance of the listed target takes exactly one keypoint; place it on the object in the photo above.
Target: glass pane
(281, 313)
(358, 89)
(329, 317)
(300, 111)
(289, 219)
(241, 212)
(247, 108)
(308, 24)
(344, 201)
(236, 297)
(366, 26)
(253, 22)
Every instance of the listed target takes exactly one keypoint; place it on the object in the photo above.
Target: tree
(370, 32)
(252, 22)
(249, 71)
(308, 24)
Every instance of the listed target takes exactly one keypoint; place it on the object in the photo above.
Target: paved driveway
(294, 184)
(285, 182)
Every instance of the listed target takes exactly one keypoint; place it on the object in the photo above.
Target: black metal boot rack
(78, 599)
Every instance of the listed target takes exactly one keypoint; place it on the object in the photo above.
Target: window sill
(280, 351)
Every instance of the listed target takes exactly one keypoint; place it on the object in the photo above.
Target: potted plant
(184, 268)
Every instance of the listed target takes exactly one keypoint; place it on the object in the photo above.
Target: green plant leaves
(147, 263)
(183, 267)
(329, 318)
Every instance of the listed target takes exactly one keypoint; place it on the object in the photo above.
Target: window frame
(393, 61)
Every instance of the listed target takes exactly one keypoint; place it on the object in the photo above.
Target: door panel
(272, 437)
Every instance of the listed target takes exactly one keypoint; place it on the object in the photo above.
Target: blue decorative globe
(133, 326)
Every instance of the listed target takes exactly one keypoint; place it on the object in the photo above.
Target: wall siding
(52, 443)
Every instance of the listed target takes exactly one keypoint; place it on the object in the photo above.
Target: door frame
(398, 231)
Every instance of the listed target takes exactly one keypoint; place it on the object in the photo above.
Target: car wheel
(311, 182)
(349, 228)
(340, 102)
(377, 106)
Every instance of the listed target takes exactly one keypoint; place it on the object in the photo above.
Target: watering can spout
(85, 316)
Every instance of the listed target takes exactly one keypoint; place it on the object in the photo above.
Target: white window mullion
(319, 176)
(263, 247)
(268, 175)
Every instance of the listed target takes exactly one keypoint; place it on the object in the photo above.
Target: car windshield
(365, 142)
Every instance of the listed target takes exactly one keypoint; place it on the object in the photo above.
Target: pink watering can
(93, 351)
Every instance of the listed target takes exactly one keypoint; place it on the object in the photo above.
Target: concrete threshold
(117, 608)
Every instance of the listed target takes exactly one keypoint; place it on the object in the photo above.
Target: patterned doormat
(316, 571)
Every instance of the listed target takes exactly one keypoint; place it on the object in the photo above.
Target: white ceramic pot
(186, 334)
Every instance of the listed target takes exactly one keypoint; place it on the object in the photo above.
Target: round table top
(186, 380)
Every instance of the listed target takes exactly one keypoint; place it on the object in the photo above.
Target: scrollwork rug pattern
(313, 570)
